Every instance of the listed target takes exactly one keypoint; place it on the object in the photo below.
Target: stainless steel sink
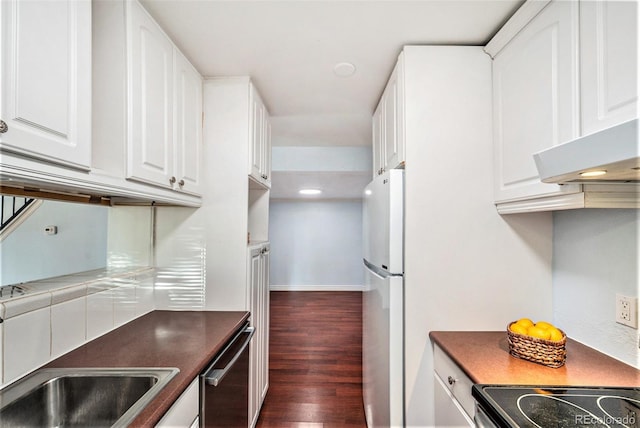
(81, 397)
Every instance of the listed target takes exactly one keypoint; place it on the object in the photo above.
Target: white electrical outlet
(627, 310)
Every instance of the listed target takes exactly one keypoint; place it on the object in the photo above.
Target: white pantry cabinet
(608, 63)
(260, 139)
(258, 304)
(389, 123)
(237, 250)
(46, 80)
(535, 100)
(165, 107)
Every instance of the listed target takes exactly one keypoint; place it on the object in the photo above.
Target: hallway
(315, 361)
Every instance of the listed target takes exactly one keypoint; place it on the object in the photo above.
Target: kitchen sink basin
(81, 397)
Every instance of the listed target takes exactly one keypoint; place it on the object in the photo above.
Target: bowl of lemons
(540, 342)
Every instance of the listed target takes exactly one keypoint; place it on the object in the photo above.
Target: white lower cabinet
(184, 411)
(454, 405)
(258, 276)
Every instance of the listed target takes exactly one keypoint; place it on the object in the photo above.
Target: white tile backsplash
(20, 305)
(99, 313)
(124, 305)
(27, 342)
(58, 316)
(145, 300)
(68, 293)
(68, 326)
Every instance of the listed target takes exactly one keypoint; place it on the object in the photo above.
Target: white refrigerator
(383, 301)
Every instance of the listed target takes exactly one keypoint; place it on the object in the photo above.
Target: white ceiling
(289, 49)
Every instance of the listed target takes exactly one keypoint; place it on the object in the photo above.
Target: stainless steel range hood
(608, 156)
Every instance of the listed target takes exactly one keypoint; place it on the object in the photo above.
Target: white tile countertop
(30, 296)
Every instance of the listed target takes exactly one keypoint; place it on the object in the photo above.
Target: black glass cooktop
(566, 407)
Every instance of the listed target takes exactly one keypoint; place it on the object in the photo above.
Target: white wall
(27, 254)
(316, 245)
(466, 267)
(330, 158)
(596, 255)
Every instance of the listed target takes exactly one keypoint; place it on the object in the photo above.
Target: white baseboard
(316, 287)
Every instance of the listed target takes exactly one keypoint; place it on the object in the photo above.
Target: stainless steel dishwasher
(224, 385)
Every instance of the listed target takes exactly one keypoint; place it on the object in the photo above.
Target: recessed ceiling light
(344, 69)
(596, 173)
(310, 191)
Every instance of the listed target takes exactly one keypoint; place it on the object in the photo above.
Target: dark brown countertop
(187, 340)
(484, 357)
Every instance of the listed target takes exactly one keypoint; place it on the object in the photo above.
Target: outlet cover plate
(627, 310)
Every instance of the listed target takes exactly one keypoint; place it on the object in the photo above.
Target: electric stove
(557, 406)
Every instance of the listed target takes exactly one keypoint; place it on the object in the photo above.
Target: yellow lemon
(517, 328)
(544, 325)
(538, 332)
(554, 334)
(525, 322)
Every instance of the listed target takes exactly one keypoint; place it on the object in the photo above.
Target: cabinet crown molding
(522, 17)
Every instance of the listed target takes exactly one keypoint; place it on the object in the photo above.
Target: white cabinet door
(264, 320)
(535, 96)
(255, 277)
(259, 139)
(609, 63)
(394, 118)
(258, 304)
(266, 149)
(188, 124)
(255, 134)
(184, 411)
(150, 139)
(46, 80)
(388, 124)
(378, 139)
(448, 412)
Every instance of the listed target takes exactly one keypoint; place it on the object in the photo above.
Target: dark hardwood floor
(315, 375)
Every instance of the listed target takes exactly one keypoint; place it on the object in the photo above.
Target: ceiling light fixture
(310, 191)
(596, 173)
(344, 69)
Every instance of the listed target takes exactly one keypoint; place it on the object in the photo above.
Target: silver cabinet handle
(181, 183)
(451, 380)
(3, 127)
(172, 180)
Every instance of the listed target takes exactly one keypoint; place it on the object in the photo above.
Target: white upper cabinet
(150, 139)
(378, 139)
(260, 139)
(535, 100)
(609, 63)
(46, 80)
(188, 125)
(389, 123)
(165, 108)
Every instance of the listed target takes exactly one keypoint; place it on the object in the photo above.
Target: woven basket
(546, 352)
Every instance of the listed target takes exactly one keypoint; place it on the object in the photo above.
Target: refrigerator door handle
(382, 273)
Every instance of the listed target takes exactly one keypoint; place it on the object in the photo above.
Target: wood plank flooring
(315, 361)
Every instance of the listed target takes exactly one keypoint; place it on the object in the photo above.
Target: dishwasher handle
(215, 376)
